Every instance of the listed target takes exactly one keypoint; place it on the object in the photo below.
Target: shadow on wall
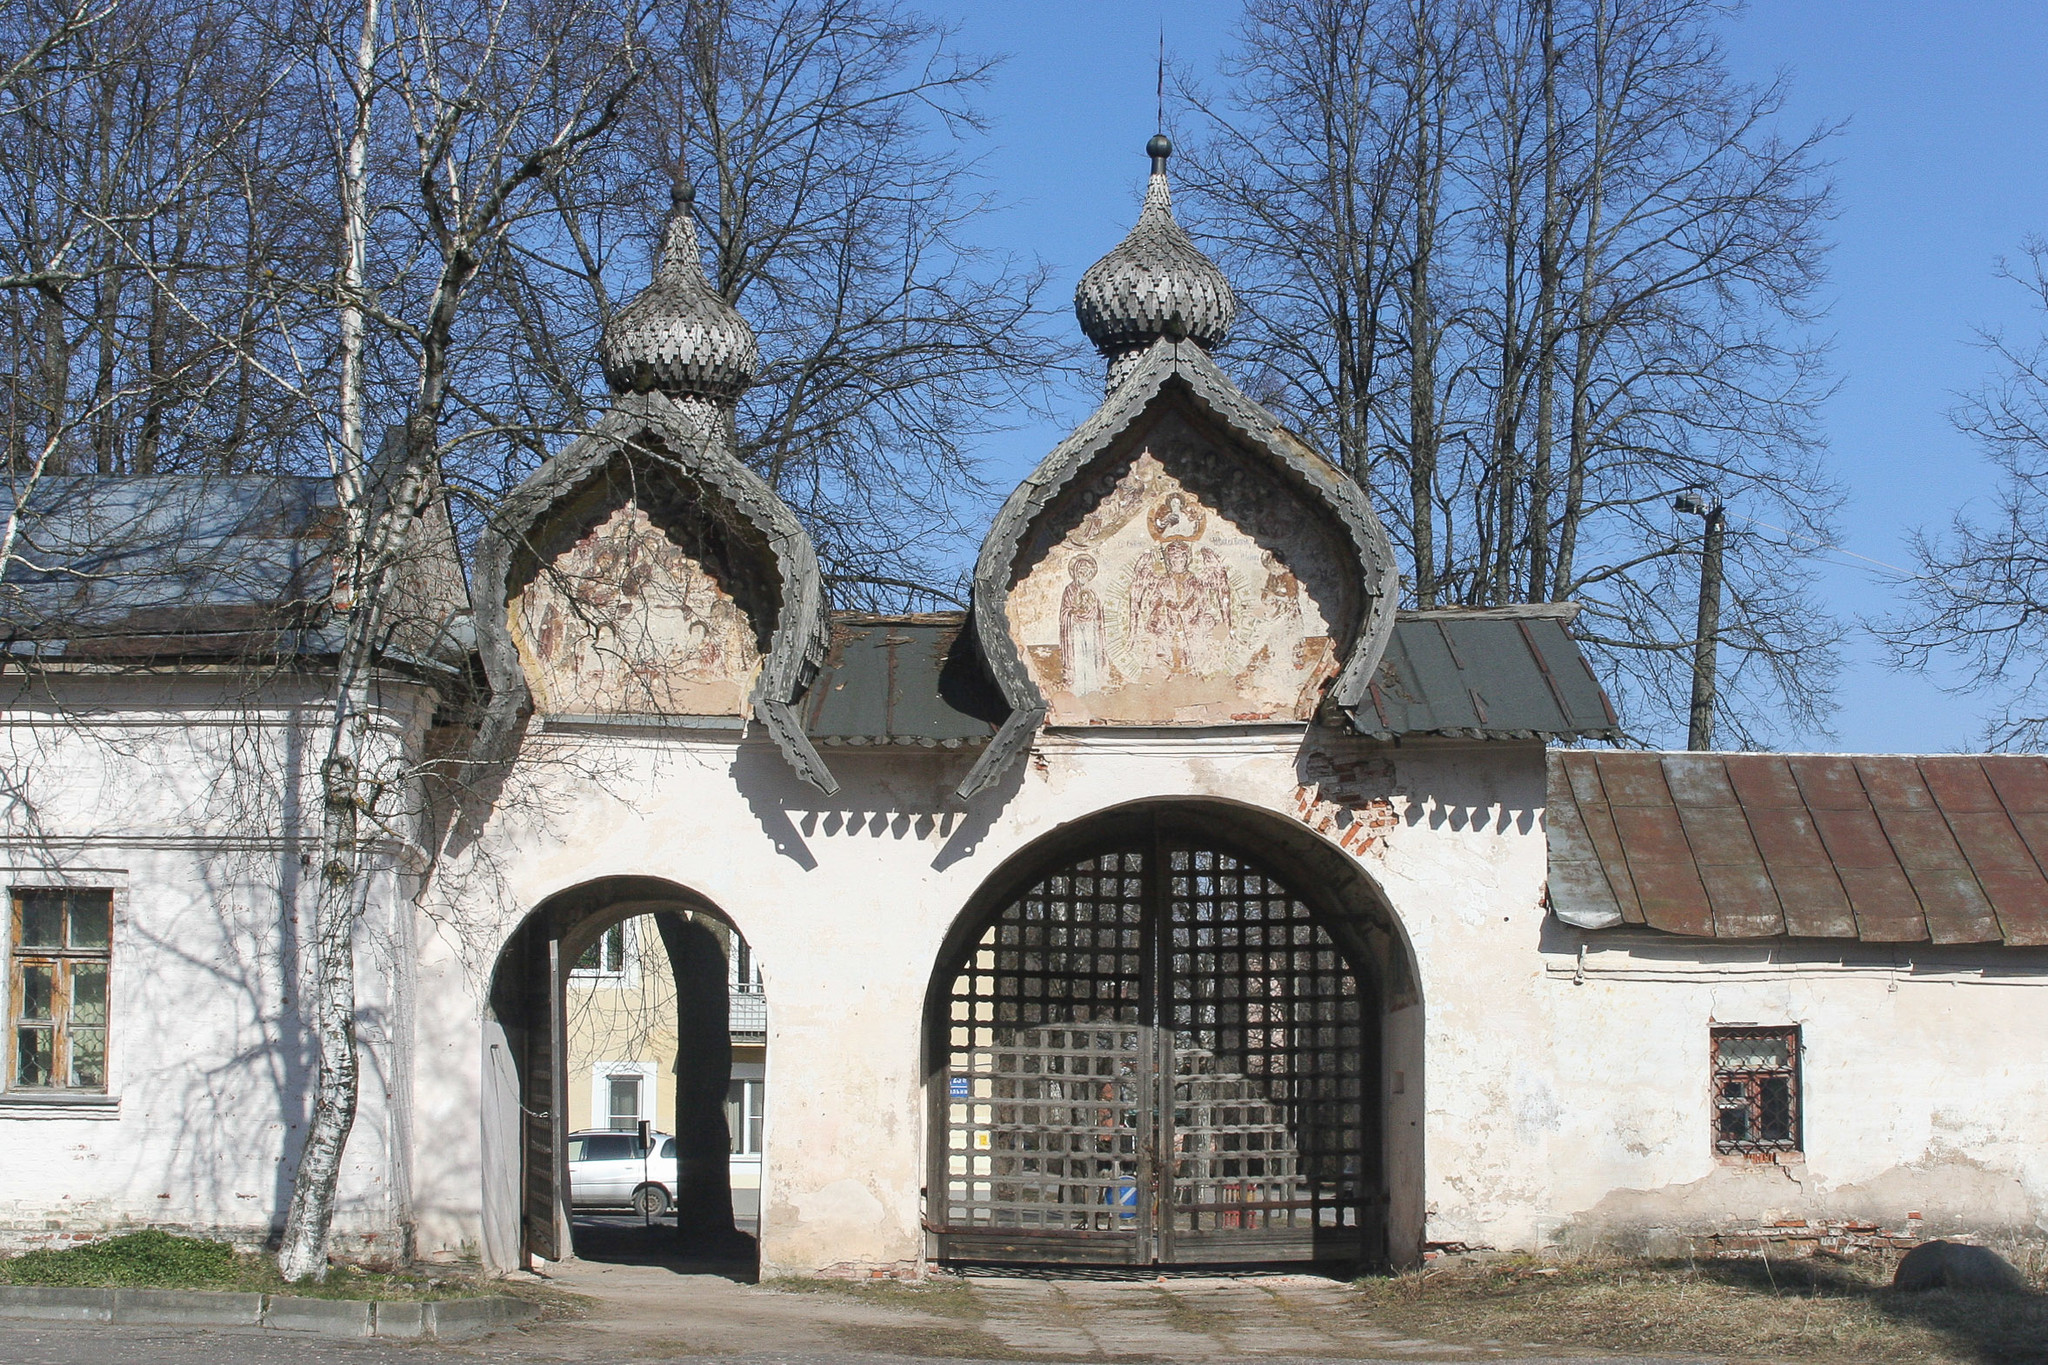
(1949, 1195)
(894, 792)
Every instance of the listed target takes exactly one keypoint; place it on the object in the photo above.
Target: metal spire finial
(1160, 122)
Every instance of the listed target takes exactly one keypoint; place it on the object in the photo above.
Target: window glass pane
(91, 915)
(755, 1116)
(591, 960)
(1733, 1118)
(89, 1058)
(576, 1149)
(34, 1055)
(736, 1116)
(608, 1147)
(89, 994)
(36, 978)
(625, 1101)
(1774, 1108)
(615, 948)
(1755, 1054)
(42, 919)
(668, 1150)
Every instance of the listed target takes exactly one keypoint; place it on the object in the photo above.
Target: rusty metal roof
(1886, 848)
(1510, 673)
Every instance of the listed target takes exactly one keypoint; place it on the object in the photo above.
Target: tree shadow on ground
(626, 1240)
(1145, 1274)
(1994, 1328)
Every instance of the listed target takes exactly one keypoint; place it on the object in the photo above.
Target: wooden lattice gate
(1155, 1053)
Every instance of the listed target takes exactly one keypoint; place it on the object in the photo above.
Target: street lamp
(1701, 502)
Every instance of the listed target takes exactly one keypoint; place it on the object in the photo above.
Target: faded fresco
(1158, 608)
(624, 622)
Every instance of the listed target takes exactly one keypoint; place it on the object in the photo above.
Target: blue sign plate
(958, 1088)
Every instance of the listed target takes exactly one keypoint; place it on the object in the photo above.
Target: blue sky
(1943, 168)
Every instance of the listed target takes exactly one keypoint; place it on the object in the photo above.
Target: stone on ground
(1957, 1265)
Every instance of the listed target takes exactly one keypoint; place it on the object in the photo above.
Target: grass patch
(153, 1259)
(1183, 1314)
(138, 1260)
(947, 1298)
(1824, 1308)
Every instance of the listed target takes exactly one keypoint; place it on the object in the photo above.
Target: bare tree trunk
(343, 892)
(355, 235)
(1546, 322)
(1424, 430)
(56, 377)
(1585, 341)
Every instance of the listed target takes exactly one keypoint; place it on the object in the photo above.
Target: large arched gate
(1155, 1051)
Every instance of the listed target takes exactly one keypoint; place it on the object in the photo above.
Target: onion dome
(678, 335)
(1156, 283)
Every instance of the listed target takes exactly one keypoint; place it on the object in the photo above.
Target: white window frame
(601, 1091)
(755, 1074)
(625, 973)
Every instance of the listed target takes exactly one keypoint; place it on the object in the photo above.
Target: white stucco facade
(1540, 1085)
(183, 796)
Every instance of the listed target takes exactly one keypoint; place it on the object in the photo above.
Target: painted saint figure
(1082, 649)
(1180, 609)
(625, 621)
(1175, 519)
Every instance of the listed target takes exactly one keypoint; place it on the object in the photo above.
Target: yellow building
(622, 1026)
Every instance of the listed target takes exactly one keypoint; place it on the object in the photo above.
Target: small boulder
(1957, 1265)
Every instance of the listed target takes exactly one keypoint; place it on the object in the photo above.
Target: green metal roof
(1488, 673)
(1506, 673)
(902, 680)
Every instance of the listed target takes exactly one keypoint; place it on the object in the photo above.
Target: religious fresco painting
(623, 621)
(1157, 607)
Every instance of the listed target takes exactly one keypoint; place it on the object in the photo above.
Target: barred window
(57, 993)
(1756, 1091)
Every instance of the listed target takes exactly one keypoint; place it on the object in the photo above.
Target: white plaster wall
(1536, 1099)
(1924, 1077)
(181, 798)
(1538, 1103)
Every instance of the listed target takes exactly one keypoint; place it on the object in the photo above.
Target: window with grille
(62, 944)
(1756, 1091)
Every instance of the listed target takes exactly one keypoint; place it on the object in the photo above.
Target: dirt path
(654, 1313)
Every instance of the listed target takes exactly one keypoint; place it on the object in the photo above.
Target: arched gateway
(1156, 1038)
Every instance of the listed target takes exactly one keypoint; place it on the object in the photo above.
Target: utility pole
(1700, 503)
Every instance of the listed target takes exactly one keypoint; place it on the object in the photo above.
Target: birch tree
(484, 104)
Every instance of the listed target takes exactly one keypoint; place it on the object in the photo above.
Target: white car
(610, 1169)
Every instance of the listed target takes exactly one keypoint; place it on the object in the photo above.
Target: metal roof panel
(1887, 848)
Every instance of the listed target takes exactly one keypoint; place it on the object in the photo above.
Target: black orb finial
(1159, 148)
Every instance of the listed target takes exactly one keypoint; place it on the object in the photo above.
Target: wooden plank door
(542, 1098)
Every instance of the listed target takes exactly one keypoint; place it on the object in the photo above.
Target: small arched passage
(526, 1105)
(1175, 1032)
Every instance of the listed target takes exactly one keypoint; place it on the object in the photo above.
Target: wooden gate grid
(1155, 1053)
